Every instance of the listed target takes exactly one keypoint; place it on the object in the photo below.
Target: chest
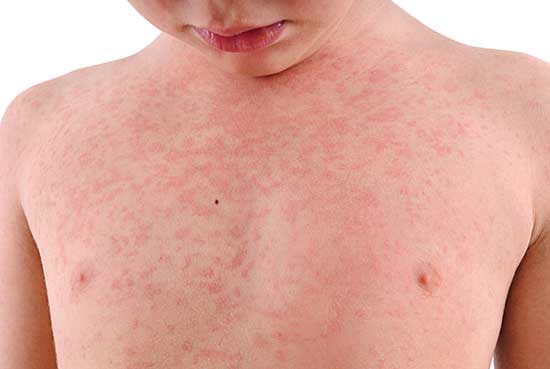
(270, 217)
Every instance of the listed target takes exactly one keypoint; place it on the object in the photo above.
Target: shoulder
(513, 91)
(32, 105)
(524, 85)
(34, 112)
(16, 128)
(514, 77)
(536, 108)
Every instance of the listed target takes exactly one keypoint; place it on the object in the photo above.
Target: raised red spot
(239, 258)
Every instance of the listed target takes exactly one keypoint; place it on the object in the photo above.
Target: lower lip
(255, 39)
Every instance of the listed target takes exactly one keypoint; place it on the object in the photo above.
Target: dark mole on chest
(216, 202)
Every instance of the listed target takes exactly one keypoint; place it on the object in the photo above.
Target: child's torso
(371, 223)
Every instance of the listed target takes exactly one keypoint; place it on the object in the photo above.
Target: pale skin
(365, 193)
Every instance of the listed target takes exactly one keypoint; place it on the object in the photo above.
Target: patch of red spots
(151, 290)
(170, 328)
(188, 261)
(135, 324)
(280, 337)
(360, 313)
(86, 159)
(478, 95)
(237, 292)
(142, 234)
(164, 258)
(280, 356)
(358, 218)
(214, 287)
(238, 259)
(129, 351)
(36, 104)
(434, 140)
(386, 115)
(504, 77)
(377, 75)
(142, 365)
(180, 301)
(246, 271)
(207, 272)
(450, 86)
(443, 150)
(156, 147)
(224, 303)
(237, 231)
(187, 346)
(211, 354)
(182, 233)
(175, 155)
(146, 274)
(396, 68)
(260, 341)
(396, 171)
(121, 283)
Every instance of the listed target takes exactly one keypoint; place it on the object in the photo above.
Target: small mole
(216, 202)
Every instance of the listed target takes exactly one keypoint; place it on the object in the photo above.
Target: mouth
(243, 39)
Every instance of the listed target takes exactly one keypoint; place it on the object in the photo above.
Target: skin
(360, 195)
(312, 25)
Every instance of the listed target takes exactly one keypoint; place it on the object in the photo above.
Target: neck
(370, 30)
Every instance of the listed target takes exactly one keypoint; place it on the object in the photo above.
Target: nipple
(81, 278)
(428, 277)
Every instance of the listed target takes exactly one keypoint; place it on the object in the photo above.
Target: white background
(40, 40)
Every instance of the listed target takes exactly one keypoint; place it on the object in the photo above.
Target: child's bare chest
(295, 237)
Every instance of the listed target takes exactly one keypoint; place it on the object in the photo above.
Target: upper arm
(525, 333)
(25, 330)
(524, 340)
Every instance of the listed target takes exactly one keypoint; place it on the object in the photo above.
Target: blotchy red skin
(360, 216)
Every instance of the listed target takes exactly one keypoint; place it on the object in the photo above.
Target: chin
(251, 67)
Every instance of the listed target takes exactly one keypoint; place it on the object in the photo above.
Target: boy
(279, 184)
